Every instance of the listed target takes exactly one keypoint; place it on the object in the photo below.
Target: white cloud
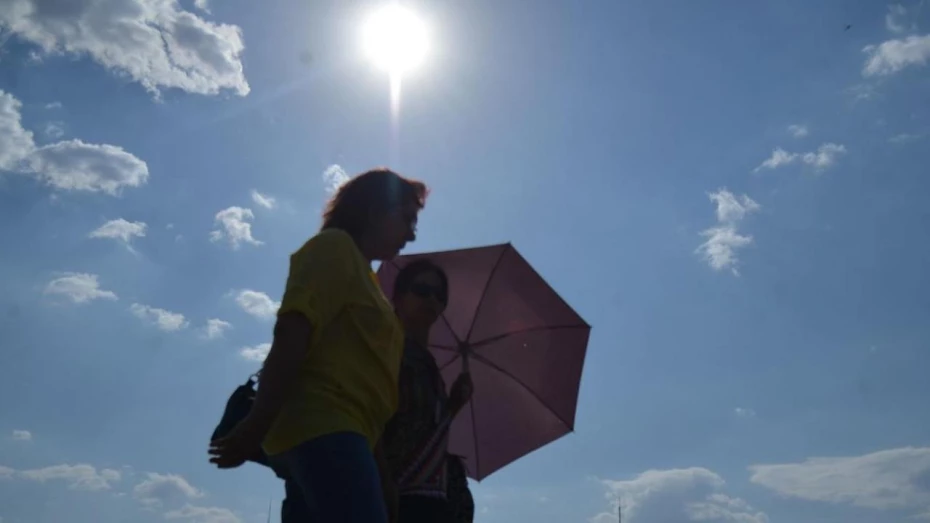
(215, 328)
(724, 240)
(78, 477)
(263, 200)
(824, 157)
(798, 130)
(6, 472)
(256, 353)
(887, 479)
(154, 42)
(675, 495)
(121, 230)
(79, 166)
(730, 208)
(779, 158)
(54, 130)
(257, 304)
(892, 56)
(78, 287)
(203, 5)
(203, 515)
(16, 143)
(159, 489)
(22, 435)
(67, 165)
(53, 105)
(234, 227)
(895, 19)
(719, 250)
(862, 92)
(333, 178)
(165, 320)
(904, 138)
(744, 412)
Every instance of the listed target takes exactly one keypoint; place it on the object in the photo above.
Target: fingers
(227, 462)
(224, 454)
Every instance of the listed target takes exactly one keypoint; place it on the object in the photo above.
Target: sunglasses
(425, 290)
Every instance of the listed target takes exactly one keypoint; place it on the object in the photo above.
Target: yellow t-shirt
(348, 381)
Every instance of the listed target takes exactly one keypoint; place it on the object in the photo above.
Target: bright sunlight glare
(395, 39)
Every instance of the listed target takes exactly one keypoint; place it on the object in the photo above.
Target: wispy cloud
(257, 304)
(334, 177)
(215, 329)
(744, 412)
(779, 158)
(903, 138)
(203, 5)
(22, 435)
(256, 353)
(78, 287)
(53, 105)
(823, 158)
(896, 19)
(730, 208)
(54, 130)
(160, 489)
(263, 200)
(120, 230)
(798, 130)
(892, 479)
(862, 92)
(234, 227)
(78, 477)
(165, 320)
(692, 494)
(203, 515)
(723, 241)
(892, 56)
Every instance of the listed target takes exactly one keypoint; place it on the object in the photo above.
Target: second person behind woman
(432, 486)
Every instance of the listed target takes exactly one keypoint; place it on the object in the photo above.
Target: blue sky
(731, 193)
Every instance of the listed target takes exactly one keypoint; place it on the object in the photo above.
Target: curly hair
(371, 193)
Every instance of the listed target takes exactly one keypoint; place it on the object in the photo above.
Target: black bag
(237, 408)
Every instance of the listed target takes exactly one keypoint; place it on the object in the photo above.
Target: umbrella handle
(465, 362)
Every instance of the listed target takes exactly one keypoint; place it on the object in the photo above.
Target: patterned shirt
(416, 439)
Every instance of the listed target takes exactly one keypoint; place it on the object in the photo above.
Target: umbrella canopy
(523, 345)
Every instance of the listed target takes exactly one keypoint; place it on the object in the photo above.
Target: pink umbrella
(523, 345)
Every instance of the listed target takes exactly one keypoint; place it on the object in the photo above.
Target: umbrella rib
(451, 330)
(524, 331)
(484, 292)
(450, 362)
(532, 392)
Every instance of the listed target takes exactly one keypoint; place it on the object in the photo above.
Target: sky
(731, 193)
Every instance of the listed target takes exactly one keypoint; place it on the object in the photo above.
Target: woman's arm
(280, 372)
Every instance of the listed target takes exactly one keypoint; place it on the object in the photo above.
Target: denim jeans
(424, 509)
(331, 479)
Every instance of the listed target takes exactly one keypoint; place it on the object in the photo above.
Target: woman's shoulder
(333, 238)
(328, 244)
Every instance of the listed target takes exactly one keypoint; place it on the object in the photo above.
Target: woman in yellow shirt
(329, 383)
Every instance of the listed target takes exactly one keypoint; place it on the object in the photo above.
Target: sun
(395, 39)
